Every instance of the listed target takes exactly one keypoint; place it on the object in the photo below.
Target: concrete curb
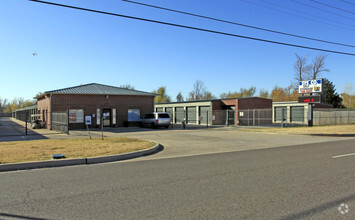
(334, 135)
(79, 161)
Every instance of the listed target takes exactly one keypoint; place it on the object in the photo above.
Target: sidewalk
(14, 130)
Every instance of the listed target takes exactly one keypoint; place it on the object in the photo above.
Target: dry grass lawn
(40, 150)
(330, 129)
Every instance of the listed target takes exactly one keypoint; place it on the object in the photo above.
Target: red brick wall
(217, 105)
(63, 102)
(44, 109)
(254, 103)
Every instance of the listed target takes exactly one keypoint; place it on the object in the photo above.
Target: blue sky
(76, 47)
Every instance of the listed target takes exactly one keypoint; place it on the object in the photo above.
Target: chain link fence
(254, 117)
(60, 122)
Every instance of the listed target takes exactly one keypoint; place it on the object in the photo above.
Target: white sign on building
(310, 86)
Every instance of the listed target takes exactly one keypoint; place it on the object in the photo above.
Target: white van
(156, 119)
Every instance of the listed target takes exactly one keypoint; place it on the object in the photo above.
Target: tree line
(7, 106)
(302, 71)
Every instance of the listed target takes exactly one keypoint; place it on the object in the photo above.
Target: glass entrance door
(106, 113)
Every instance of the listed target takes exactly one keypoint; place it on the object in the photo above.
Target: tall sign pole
(315, 89)
(310, 115)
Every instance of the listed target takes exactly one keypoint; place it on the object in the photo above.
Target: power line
(193, 28)
(302, 12)
(331, 6)
(350, 3)
(300, 16)
(235, 23)
(330, 12)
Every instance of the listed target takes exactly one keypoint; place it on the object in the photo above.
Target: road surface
(308, 181)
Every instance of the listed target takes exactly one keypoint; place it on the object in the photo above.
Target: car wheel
(153, 125)
(167, 126)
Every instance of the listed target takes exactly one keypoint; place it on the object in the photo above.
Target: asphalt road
(293, 182)
(180, 143)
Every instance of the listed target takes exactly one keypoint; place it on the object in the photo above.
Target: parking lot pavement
(179, 142)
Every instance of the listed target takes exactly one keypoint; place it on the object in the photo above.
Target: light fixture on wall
(106, 96)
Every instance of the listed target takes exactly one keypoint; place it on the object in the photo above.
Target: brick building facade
(100, 104)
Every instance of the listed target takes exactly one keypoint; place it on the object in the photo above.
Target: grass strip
(41, 150)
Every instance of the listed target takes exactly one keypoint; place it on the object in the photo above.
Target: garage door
(297, 114)
(278, 113)
(191, 115)
(179, 114)
(205, 111)
(170, 112)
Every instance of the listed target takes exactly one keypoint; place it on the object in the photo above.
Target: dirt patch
(330, 129)
(40, 150)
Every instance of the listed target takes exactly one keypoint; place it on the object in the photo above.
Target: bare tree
(300, 67)
(198, 91)
(317, 67)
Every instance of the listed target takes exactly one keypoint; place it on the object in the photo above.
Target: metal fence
(26, 114)
(254, 117)
(60, 122)
(247, 117)
(333, 116)
(223, 117)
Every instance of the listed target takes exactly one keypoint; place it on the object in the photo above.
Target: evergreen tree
(331, 96)
(179, 97)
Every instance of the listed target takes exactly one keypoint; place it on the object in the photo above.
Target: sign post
(102, 127)
(310, 115)
(87, 123)
(310, 87)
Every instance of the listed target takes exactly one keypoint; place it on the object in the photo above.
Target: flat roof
(208, 100)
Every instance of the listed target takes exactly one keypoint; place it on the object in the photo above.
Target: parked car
(156, 119)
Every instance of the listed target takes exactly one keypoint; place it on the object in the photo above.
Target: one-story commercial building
(93, 104)
(231, 111)
(294, 112)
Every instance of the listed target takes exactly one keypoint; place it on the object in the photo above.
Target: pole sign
(88, 119)
(309, 99)
(310, 86)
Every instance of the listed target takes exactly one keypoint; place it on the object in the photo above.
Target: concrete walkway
(15, 130)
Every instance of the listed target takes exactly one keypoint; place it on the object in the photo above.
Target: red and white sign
(310, 86)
